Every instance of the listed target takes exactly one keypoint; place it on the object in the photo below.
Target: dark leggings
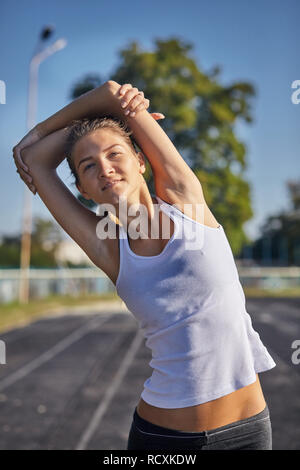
(254, 433)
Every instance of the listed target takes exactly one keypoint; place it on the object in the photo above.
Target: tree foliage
(45, 239)
(200, 117)
(280, 233)
(89, 82)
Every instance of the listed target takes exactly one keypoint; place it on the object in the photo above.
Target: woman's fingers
(17, 154)
(32, 188)
(18, 158)
(27, 179)
(134, 101)
(24, 172)
(138, 103)
(141, 106)
(25, 176)
(30, 138)
(158, 116)
(23, 169)
(124, 88)
(128, 96)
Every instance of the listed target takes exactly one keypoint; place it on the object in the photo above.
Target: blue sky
(256, 41)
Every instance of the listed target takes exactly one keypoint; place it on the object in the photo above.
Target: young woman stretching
(204, 392)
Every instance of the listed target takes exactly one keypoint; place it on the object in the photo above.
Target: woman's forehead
(98, 141)
(103, 137)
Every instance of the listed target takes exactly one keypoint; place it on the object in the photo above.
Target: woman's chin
(113, 197)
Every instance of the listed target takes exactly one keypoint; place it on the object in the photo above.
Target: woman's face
(104, 156)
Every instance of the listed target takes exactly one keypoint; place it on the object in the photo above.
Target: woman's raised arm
(168, 165)
(42, 159)
(170, 171)
(94, 103)
(172, 176)
(91, 103)
(97, 102)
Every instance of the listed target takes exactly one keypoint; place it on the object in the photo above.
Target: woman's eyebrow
(88, 158)
(83, 160)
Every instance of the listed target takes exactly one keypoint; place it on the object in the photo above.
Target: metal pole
(27, 208)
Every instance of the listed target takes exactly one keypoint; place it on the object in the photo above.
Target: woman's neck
(144, 207)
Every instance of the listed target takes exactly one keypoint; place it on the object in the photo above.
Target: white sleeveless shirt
(191, 306)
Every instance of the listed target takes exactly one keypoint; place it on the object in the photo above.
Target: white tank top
(191, 306)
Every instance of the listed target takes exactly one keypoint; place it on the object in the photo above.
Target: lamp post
(39, 55)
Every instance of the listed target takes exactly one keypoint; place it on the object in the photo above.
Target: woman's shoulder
(193, 206)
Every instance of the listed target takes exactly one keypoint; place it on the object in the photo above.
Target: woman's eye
(88, 166)
(114, 153)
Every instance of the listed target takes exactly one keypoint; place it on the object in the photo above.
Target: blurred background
(225, 75)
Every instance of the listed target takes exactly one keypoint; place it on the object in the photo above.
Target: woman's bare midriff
(241, 404)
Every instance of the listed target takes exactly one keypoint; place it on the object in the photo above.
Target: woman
(204, 392)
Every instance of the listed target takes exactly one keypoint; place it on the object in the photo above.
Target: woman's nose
(105, 169)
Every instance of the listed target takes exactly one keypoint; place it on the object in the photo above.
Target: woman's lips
(110, 185)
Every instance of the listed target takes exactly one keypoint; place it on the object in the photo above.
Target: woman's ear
(142, 161)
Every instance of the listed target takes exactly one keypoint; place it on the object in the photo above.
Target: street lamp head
(59, 44)
(45, 52)
(47, 32)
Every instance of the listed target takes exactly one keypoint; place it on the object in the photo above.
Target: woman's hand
(134, 101)
(33, 136)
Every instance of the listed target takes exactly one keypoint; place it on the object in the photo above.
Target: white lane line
(51, 353)
(110, 392)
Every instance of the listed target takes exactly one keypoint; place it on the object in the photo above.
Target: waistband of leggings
(262, 414)
(148, 427)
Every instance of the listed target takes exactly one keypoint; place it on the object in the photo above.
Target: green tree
(88, 82)
(293, 187)
(10, 251)
(279, 242)
(44, 241)
(200, 117)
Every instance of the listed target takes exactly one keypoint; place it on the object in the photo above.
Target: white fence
(43, 282)
(270, 277)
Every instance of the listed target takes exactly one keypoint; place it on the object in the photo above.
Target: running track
(71, 381)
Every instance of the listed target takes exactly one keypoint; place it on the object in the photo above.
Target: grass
(16, 314)
(256, 292)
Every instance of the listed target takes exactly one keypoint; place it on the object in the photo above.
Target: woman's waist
(240, 404)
